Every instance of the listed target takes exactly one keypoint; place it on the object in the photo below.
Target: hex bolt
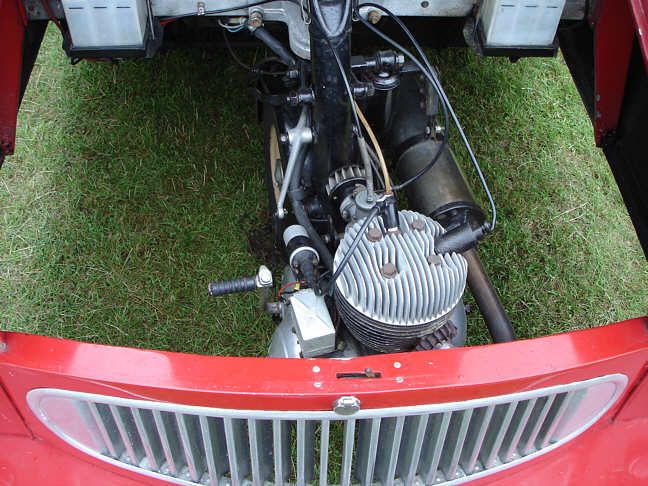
(374, 16)
(418, 224)
(256, 19)
(374, 234)
(435, 259)
(388, 270)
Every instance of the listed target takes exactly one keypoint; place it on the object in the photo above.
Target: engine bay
(377, 224)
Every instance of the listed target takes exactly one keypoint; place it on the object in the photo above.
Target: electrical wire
(233, 29)
(352, 247)
(379, 153)
(216, 12)
(375, 165)
(431, 76)
(252, 69)
(428, 72)
(284, 288)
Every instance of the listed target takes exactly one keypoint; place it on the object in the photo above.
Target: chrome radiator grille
(430, 444)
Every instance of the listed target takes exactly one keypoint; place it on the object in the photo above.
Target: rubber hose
(295, 194)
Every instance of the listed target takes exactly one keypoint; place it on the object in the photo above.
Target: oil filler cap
(346, 405)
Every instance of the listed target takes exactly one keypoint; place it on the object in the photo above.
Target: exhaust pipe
(442, 193)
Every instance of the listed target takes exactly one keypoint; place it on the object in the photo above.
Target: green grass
(133, 185)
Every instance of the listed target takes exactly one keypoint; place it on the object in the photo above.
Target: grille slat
(255, 437)
(367, 450)
(169, 447)
(412, 447)
(213, 440)
(347, 452)
(475, 438)
(514, 434)
(108, 439)
(151, 449)
(281, 450)
(556, 417)
(125, 433)
(436, 438)
(237, 450)
(391, 431)
(496, 433)
(532, 435)
(408, 446)
(324, 455)
(305, 449)
(187, 435)
(457, 436)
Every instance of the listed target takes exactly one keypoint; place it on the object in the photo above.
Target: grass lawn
(133, 185)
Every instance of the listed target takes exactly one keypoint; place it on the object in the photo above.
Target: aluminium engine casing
(396, 288)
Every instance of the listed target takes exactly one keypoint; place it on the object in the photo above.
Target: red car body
(613, 451)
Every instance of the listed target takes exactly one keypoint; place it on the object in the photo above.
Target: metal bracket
(298, 137)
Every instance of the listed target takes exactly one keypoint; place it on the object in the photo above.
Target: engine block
(396, 288)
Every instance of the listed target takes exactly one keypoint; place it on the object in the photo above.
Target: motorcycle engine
(396, 289)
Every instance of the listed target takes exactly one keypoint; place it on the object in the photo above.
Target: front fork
(330, 28)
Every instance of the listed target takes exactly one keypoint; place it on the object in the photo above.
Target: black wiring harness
(423, 64)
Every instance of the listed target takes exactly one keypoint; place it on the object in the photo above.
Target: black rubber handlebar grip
(224, 287)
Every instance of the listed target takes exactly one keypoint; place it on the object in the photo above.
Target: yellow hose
(376, 145)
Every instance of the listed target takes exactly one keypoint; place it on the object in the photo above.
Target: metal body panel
(12, 29)
(640, 17)
(613, 40)
(278, 384)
